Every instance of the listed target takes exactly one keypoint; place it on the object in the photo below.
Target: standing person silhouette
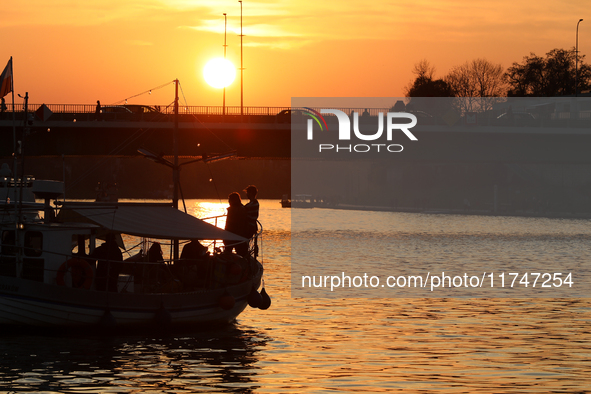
(97, 112)
(252, 215)
(236, 222)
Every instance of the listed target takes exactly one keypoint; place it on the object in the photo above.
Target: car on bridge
(287, 115)
(141, 109)
(129, 112)
(519, 119)
(114, 113)
(115, 109)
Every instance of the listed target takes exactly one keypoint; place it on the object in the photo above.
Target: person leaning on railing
(252, 215)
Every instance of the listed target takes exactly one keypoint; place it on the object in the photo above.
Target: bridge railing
(232, 114)
(183, 109)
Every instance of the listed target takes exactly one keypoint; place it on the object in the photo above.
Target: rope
(142, 93)
(197, 119)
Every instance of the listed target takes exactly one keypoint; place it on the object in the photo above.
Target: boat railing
(251, 241)
(134, 275)
(143, 277)
(214, 218)
(209, 271)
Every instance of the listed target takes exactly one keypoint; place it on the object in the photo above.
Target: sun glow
(219, 72)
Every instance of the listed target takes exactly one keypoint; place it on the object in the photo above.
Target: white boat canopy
(146, 220)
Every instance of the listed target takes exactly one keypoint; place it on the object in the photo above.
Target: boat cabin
(36, 251)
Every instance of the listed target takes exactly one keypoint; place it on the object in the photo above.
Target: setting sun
(219, 72)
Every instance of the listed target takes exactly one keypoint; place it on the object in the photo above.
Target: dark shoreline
(470, 212)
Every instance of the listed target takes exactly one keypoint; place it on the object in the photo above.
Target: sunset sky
(71, 51)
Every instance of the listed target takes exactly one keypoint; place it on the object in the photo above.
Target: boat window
(79, 244)
(33, 243)
(8, 243)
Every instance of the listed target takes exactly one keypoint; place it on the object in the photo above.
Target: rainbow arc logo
(316, 116)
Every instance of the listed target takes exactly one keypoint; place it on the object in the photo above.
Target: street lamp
(225, 28)
(577, 57)
(241, 66)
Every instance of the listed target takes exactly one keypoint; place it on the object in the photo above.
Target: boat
(54, 273)
(49, 277)
(302, 201)
(285, 201)
(307, 201)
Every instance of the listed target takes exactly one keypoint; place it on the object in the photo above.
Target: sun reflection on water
(211, 212)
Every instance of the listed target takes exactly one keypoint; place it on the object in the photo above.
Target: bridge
(74, 130)
(265, 133)
(543, 157)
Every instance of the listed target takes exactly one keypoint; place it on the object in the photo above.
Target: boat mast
(14, 145)
(22, 157)
(18, 190)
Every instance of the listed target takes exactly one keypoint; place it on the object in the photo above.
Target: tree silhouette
(424, 85)
(553, 75)
(479, 82)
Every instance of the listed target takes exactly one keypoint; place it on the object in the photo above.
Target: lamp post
(577, 58)
(225, 29)
(241, 66)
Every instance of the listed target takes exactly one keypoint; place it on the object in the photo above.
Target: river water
(318, 345)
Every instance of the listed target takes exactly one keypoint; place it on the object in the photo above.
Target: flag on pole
(6, 79)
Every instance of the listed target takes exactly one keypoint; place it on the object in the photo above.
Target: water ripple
(355, 345)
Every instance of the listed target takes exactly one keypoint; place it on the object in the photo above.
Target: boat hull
(33, 304)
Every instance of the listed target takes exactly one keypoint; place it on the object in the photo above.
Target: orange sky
(71, 51)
